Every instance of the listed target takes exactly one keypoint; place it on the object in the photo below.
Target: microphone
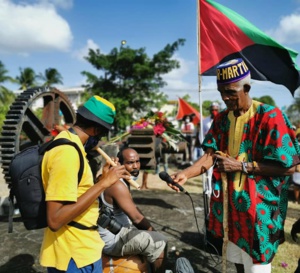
(167, 178)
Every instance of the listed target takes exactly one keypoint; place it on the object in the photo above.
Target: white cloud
(179, 83)
(64, 4)
(183, 70)
(175, 79)
(28, 28)
(83, 52)
(287, 31)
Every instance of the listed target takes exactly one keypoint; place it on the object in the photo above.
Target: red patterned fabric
(257, 204)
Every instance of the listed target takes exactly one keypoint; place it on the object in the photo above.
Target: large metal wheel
(31, 120)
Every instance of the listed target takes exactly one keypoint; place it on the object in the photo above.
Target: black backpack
(27, 186)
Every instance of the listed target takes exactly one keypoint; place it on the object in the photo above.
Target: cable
(205, 241)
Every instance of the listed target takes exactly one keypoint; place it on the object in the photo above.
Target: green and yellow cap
(99, 110)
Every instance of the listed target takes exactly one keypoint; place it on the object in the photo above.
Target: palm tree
(26, 79)
(6, 96)
(3, 75)
(51, 77)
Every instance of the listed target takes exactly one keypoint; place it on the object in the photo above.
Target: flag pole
(205, 198)
(205, 181)
(199, 69)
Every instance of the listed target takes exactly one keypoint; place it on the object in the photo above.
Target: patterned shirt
(257, 204)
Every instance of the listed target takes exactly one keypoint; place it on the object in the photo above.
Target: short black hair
(120, 154)
(191, 116)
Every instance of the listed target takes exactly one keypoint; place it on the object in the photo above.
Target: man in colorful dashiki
(254, 145)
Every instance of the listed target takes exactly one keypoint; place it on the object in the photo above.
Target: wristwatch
(244, 167)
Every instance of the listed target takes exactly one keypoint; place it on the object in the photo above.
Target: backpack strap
(80, 226)
(11, 212)
(64, 141)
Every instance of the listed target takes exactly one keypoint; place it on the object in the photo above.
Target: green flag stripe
(255, 34)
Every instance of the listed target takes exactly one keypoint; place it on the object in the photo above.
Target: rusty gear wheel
(31, 119)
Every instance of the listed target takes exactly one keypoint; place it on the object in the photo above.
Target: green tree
(26, 79)
(205, 108)
(187, 98)
(293, 112)
(6, 99)
(3, 75)
(50, 77)
(130, 79)
(205, 105)
(6, 96)
(266, 99)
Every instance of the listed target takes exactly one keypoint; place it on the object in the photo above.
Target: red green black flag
(225, 35)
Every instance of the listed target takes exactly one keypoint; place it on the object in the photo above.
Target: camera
(107, 220)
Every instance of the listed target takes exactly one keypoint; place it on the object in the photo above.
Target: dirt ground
(180, 217)
(177, 215)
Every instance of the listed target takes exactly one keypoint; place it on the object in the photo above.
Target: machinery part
(30, 121)
(147, 145)
(182, 146)
(151, 148)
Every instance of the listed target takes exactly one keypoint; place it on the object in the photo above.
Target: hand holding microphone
(167, 178)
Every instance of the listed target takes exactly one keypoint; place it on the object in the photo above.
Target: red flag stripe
(218, 36)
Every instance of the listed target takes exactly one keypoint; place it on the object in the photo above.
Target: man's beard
(135, 173)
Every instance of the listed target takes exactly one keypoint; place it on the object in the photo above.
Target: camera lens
(108, 221)
(114, 226)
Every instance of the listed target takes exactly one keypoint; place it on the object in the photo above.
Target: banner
(184, 108)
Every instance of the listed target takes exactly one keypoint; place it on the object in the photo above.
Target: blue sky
(57, 33)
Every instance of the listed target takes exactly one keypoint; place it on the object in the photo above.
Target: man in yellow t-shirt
(67, 247)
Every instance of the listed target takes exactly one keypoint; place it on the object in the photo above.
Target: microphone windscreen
(163, 175)
(167, 178)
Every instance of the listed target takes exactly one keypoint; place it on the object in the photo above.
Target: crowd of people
(250, 148)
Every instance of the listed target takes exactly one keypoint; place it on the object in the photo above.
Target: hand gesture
(115, 159)
(227, 163)
(111, 174)
(179, 178)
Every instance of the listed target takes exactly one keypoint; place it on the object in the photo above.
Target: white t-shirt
(296, 178)
(187, 127)
(206, 124)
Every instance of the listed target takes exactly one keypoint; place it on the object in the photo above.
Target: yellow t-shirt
(60, 168)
